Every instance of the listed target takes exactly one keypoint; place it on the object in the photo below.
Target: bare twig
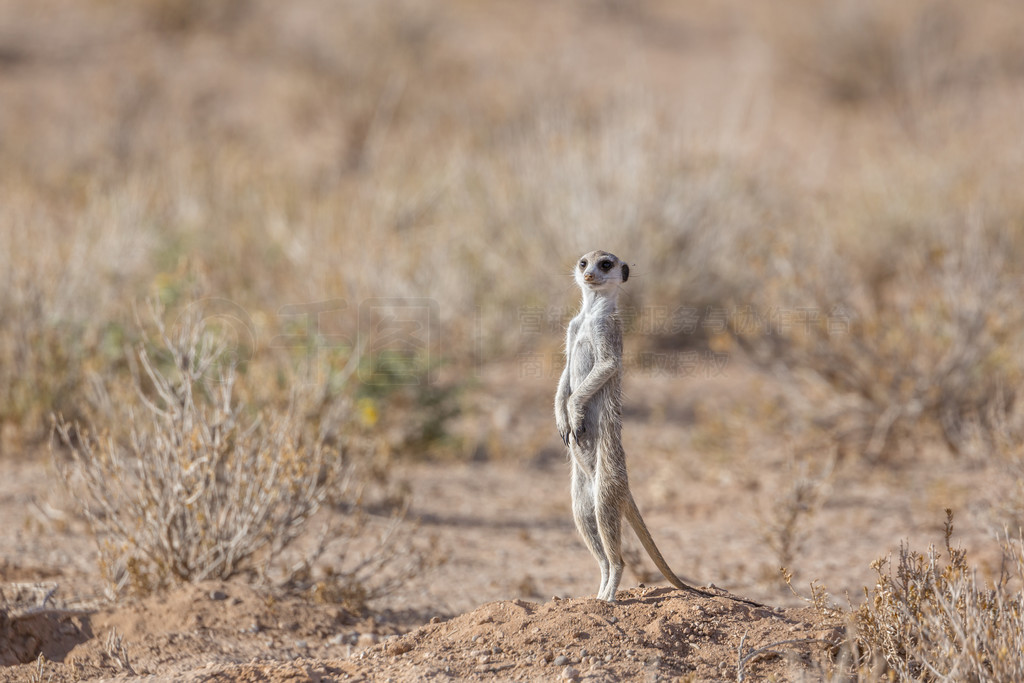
(117, 650)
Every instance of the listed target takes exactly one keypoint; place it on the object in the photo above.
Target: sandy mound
(227, 632)
(647, 634)
(192, 628)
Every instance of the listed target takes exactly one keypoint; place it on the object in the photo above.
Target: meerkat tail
(632, 513)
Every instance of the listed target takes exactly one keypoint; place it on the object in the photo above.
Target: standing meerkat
(588, 412)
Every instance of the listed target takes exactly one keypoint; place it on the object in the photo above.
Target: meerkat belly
(582, 362)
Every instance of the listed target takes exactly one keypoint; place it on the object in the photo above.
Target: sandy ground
(513, 596)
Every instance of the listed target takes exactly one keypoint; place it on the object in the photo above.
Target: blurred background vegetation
(856, 162)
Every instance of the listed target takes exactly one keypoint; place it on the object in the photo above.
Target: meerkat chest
(591, 338)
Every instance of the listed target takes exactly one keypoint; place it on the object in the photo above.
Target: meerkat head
(599, 270)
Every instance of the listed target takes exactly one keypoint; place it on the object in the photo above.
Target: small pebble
(570, 673)
(301, 644)
(561, 660)
(218, 595)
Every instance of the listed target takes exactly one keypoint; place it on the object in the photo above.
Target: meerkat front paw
(562, 422)
(576, 426)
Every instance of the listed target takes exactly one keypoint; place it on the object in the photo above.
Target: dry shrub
(908, 323)
(58, 312)
(189, 16)
(795, 499)
(182, 482)
(930, 618)
(909, 56)
(866, 50)
(996, 439)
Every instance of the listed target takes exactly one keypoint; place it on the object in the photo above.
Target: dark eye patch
(583, 264)
(605, 265)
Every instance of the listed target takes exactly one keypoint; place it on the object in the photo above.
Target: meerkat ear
(625, 272)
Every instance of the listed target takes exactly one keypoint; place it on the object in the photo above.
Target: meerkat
(588, 413)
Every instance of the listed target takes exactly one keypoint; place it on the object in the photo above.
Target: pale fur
(588, 412)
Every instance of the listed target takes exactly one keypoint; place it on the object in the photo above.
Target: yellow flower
(367, 411)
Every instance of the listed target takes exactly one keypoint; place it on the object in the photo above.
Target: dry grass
(117, 650)
(40, 674)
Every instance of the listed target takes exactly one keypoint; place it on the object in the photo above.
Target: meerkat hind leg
(585, 513)
(609, 526)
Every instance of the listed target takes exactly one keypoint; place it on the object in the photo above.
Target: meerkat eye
(583, 264)
(605, 265)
